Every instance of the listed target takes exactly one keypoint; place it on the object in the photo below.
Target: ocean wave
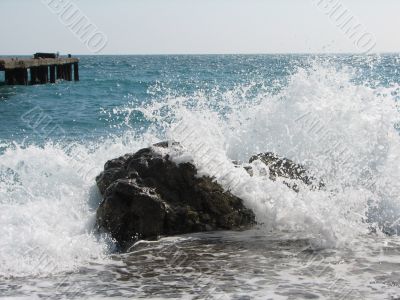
(342, 131)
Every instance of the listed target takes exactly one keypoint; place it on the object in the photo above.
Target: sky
(198, 26)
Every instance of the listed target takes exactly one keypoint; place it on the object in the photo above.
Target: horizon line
(200, 54)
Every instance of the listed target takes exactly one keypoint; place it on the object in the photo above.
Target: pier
(41, 69)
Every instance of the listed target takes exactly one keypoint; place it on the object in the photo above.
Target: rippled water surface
(336, 115)
(229, 265)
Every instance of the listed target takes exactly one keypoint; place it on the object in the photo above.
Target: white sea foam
(48, 201)
(343, 132)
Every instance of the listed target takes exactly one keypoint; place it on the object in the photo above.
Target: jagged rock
(285, 168)
(146, 195)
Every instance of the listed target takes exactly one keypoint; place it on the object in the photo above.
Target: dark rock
(285, 168)
(146, 195)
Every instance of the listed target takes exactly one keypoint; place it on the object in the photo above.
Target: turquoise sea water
(336, 114)
(109, 82)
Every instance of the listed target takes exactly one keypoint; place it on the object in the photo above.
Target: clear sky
(198, 26)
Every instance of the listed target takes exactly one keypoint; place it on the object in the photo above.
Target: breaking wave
(343, 132)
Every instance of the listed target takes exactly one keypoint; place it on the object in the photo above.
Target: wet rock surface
(280, 167)
(146, 195)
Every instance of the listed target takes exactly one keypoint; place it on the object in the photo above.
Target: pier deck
(43, 68)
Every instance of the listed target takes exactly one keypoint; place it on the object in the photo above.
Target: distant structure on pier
(41, 69)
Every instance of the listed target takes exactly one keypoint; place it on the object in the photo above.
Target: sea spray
(341, 130)
(48, 207)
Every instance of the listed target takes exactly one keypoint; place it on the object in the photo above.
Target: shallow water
(337, 115)
(230, 265)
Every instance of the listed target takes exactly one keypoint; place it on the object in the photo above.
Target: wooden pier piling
(59, 71)
(9, 77)
(76, 71)
(52, 74)
(21, 76)
(68, 72)
(43, 74)
(65, 72)
(43, 68)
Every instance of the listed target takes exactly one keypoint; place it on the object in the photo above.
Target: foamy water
(342, 130)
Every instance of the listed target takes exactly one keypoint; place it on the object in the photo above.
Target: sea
(337, 115)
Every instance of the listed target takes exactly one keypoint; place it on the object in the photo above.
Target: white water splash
(48, 208)
(48, 201)
(341, 131)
